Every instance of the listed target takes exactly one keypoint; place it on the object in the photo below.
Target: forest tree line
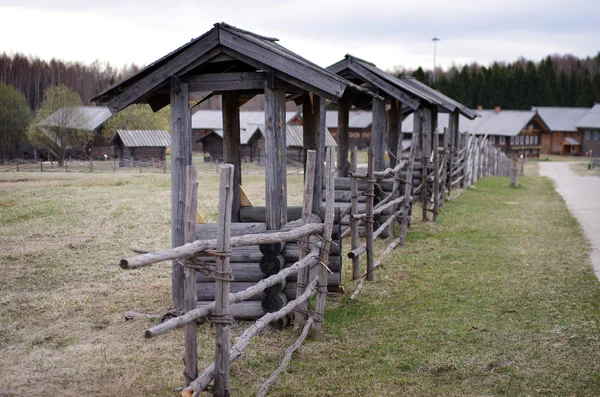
(559, 80)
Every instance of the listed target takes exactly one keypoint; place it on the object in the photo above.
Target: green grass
(498, 298)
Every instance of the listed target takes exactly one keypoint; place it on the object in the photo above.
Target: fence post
(370, 193)
(222, 317)
(436, 175)
(354, 210)
(114, 164)
(17, 165)
(324, 252)
(303, 274)
(189, 275)
(91, 165)
(41, 166)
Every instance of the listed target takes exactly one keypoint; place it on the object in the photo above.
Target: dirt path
(582, 195)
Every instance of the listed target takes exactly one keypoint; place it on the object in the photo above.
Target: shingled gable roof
(359, 70)
(252, 52)
(446, 102)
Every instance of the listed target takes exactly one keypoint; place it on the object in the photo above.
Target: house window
(527, 137)
(501, 140)
(596, 136)
(521, 140)
(588, 135)
(536, 140)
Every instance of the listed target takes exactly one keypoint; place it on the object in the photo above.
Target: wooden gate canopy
(227, 58)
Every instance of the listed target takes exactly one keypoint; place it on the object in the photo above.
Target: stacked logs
(251, 264)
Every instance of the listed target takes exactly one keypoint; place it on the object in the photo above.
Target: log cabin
(138, 146)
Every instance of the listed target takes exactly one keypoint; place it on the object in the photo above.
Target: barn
(139, 146)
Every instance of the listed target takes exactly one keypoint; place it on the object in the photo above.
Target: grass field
(498, 298)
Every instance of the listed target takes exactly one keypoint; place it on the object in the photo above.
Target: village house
(359, 126)
(564, 137)
(138, 146)
(589, 125)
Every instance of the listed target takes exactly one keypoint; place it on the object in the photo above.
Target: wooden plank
(311, 114)
(231, 146)
(232, 81)
(275, 167)
(200, 51)
(377, 134)
(342, 138)
(222, 283)
(181, 157)
(190, 297)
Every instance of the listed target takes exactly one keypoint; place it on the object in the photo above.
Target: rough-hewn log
(436, 175)
(247, 310)
(369, 221)
(342, 139)
(193, 249)
(181, 157)
(354, 222)
(272, 264)
(394, 131)
(276, 161)
(232, 81)
(324, 252)
(251, 254)
(244, 340)
(311, 114)
(246, 294)
(377, 133)
(231, 146)
(189, 282)
(307, 205)
(273, 302)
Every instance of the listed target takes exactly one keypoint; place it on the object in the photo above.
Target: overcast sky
(388, 33)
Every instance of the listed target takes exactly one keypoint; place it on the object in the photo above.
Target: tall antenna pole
(435, 40)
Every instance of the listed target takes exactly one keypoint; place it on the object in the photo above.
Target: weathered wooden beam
(202, 50)
(378, 133)
(275, 148)
(311, 114)
(222, 283)
(181, 157)
(394, 131)
(342, 139)
(369, 221)
(231, 146)
(382, 84)
(354, 210)
(191, 338)
(232, 81)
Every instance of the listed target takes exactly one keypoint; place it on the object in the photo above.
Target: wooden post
(394, 131)
(189, 275)
(425, 153)
(311, 114)
(523, 161)
(354, 210)
(514, 172)
(436, 175)
(377, 133)
(275, 148)
(453, 147)
(408, 189)
(324, 252)
(231, 145)
(369, 216)
(222, 318)
(181, 157)
(307, 205)
(342, 139)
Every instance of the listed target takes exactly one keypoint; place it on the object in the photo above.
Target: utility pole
(435, 40)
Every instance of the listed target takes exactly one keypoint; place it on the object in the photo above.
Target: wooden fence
(211, 288)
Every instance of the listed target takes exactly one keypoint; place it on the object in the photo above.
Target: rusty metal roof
(142, 138)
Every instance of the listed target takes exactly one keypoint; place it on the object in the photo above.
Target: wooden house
(359, 126)
(515, 132)
(564, 137)
(589, 125)
(141, 146)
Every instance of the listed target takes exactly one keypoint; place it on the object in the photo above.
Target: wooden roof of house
(561, 118)
(591, 119)
(87, 118)
(226, 48)
(142, 138)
